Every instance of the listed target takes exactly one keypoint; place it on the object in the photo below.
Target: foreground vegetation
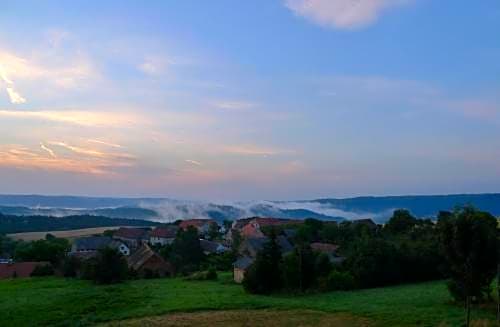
(57, 301)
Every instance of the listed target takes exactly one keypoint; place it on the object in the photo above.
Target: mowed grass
(57, 301)
(257, 318)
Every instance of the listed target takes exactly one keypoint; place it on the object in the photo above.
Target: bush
(107, 268)
(340, 281)
(71, 266)
(42, 270)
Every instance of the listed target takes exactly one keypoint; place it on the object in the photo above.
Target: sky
(249, 100)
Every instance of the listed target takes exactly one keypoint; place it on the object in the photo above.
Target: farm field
(57, 301)
(74, 233)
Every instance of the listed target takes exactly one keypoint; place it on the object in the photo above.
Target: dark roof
(209, 246)
(92, 243)
(243, 263)
(131, 233)
(140, 257)
(164, 232)
(258, 243)
(19, 269)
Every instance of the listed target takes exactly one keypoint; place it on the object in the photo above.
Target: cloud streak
(48, 150)
(342, 14)
(193, 162)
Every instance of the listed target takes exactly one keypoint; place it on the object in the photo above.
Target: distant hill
(420, 206)
(19, 224)
(168, 210)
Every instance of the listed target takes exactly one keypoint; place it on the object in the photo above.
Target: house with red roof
(19, 269)
(133, 237)
(202, 225)
(163, 235)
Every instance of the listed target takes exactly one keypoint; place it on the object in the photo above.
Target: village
(142, 247)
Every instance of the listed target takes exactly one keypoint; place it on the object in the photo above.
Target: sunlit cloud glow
(343, 14)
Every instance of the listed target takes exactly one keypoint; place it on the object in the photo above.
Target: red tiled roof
(324, 247)
(164, 232)
(131, 233)
(195, 222)
(19, 269)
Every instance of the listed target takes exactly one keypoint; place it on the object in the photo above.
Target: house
(253, 227)
(88, 246)
(19, 269)
(210, 247)
(163, 235)
(202, 225)
(133, 237)
(240, 268)
(251, 246)
(147, 263)
(328, 249)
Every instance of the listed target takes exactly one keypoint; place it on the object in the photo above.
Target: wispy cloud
(154, 65)
(83, 118)
(253, 150)
(113, 145)
(342, 14)
(48, 150)
(21, 157)
(233, 105)
(15, 97)
(46, 70)
(91, 152)
(193, 162)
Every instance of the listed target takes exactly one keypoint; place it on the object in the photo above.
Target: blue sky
(239, 100)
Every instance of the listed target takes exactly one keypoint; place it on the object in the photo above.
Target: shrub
(107, 268)
(340, 281)
(71, 266)
(42, 270)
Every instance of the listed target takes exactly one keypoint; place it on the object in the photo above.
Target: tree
(108, 267)
(264, 275)
(235, 241)
(213, 231)
(401, 222)
(186, 253)
(374, 262)
(227, 224)
(52, 249)
(299, 268)
(469, 241)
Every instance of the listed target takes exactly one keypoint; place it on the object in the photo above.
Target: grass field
(70, 234)
(56, 301)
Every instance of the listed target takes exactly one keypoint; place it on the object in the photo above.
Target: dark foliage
(21, 224)
(108, 267)
(401, 222)
(186, 253)
(299, 268)
(469, 241)
(264, 276)
(51, 249)
(42, 270)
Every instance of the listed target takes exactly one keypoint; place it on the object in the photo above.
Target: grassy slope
(54, 300)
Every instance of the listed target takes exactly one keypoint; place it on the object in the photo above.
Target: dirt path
(248, 318)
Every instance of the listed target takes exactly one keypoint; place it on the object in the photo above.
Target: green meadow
(58, 301)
